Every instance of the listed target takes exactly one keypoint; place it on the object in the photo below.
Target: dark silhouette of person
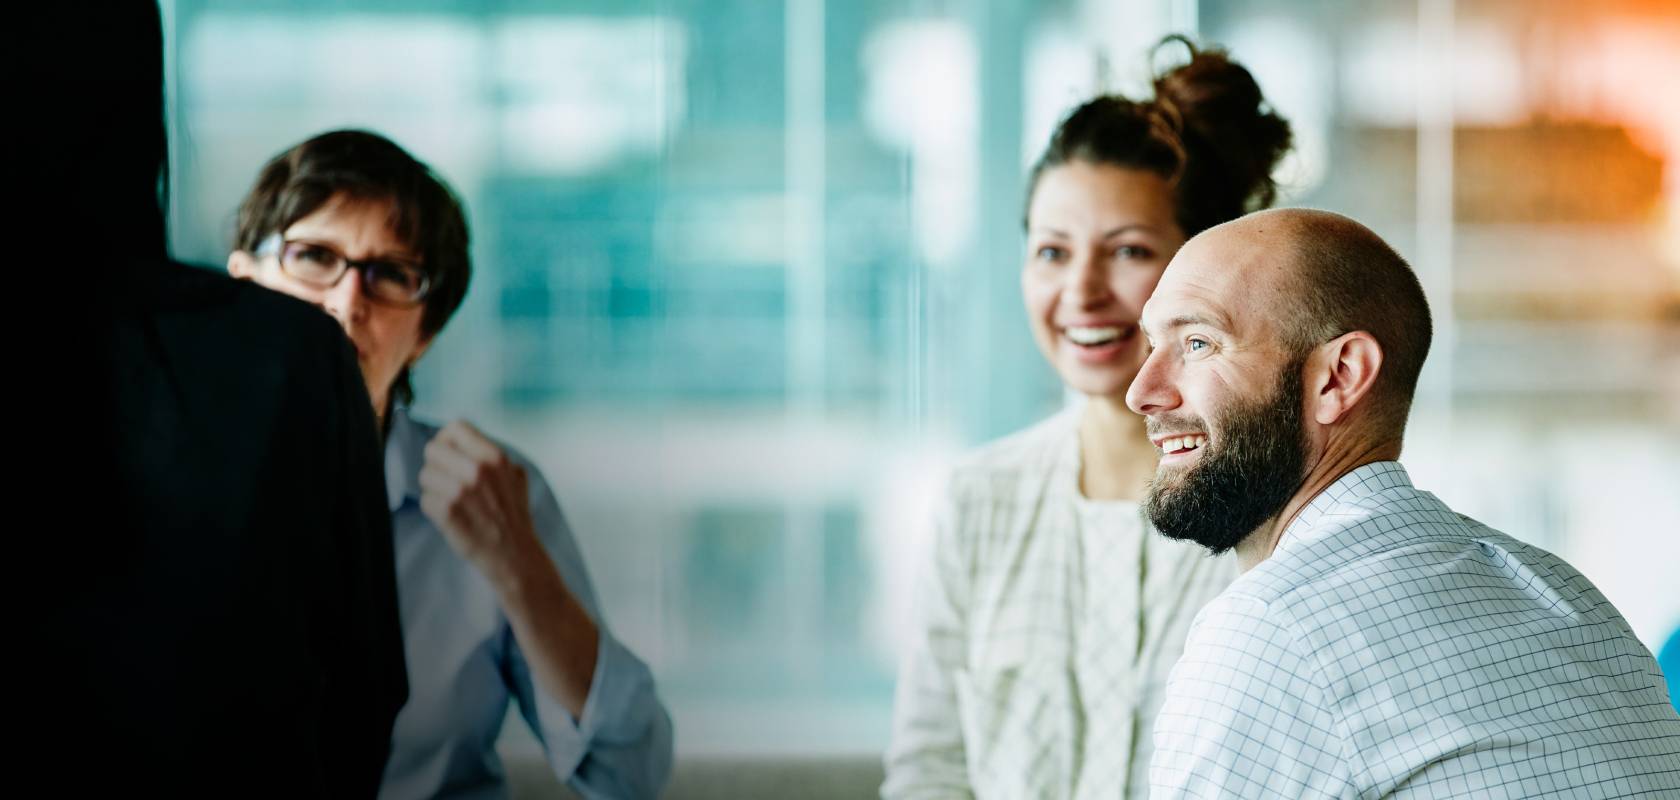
(214, 609)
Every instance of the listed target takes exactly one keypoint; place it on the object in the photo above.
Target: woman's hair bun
(1208, 130)
(1223, 114)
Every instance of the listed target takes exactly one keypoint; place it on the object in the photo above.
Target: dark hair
(1208, 132)
(1349, 279)
(425, 214)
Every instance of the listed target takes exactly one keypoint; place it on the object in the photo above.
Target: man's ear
(1340, 374)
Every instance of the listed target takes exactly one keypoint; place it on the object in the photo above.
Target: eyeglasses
(388, 281)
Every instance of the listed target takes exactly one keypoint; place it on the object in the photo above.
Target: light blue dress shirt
(1390, 647)
(464, 664)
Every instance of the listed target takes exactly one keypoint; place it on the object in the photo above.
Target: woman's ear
(241, 265)
(420, 349)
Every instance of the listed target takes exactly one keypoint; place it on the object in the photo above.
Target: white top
(1046, 627)
(1391, 647)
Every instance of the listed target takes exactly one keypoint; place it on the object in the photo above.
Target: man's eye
(1196, 345)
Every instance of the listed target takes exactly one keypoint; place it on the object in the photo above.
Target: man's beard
(1254, 462)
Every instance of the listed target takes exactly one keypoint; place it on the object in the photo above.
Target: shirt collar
(404, 450)
(1363, 482)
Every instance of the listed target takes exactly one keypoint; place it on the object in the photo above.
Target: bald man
(1377, 643)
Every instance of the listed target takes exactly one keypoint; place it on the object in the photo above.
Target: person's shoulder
(178, 287)
(1246, 631)
(238, 313)
(1406, 558)
(1385, 541)
(1358, 537)
(1240, 604)
(258, 307)
(1029, 453)
(1532, 576)
(252, 352)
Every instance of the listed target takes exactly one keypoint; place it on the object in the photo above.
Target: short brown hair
(425, 213)
(1348, 279)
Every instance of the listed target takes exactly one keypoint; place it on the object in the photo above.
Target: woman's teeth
(1090, 337)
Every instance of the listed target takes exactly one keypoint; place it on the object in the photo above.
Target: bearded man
(1378, 644)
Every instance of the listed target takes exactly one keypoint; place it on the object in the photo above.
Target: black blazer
(228, 622)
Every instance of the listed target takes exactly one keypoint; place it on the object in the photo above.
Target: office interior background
(747, 272)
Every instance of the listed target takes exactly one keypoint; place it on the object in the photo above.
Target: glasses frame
(275, 245)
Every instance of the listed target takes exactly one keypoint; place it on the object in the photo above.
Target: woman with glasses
(1051, 611)
(495, 602)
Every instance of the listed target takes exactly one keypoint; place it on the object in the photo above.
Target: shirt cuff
(619, 678)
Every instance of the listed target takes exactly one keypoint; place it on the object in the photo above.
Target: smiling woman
(1052, 612)
(1098, 237)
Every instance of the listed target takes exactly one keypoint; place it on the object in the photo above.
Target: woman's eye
(1134, 252)
(1049, 253)
(392, 273)
(309, 261)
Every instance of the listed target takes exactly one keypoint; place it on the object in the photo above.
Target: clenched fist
(477, 496)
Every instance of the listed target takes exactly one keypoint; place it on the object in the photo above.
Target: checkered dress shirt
(1392, 647)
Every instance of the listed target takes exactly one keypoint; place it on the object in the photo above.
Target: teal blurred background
(747, 272)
